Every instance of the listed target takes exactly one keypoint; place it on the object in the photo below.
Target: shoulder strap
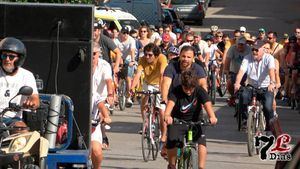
(275, 49)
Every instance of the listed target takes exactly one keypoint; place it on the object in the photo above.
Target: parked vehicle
(172, 16)
(191, 10)
(116, 18)
(144, 10)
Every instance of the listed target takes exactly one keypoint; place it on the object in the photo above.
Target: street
(227, 147)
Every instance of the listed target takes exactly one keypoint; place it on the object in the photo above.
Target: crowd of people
(174, 62)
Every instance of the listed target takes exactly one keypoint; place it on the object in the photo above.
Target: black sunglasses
(254, 49)
(4, 56)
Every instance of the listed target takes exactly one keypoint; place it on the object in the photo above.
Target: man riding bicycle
(185, 102)
(153, 64)
(260, 69)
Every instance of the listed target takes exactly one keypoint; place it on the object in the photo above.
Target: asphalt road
(227, 147)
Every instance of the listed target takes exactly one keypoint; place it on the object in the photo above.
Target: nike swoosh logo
(184, 109)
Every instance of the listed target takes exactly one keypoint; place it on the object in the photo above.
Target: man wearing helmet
(13, 77)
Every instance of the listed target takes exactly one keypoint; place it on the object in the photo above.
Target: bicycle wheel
(155, 135)
(122, 94)
(191, 158)
(251, 133)
(146, 142)
(180, 159)
(238, 116)
(223, 85)
(213, 87)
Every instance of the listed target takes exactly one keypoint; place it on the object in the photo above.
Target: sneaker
(128, 102)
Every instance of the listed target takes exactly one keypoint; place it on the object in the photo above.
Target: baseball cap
(125, 30)
(152, 27)
(98, 24)
(285, 36)
(166, 37)
(214, 28)
(242, 40)
(261, 30)
(243, 29)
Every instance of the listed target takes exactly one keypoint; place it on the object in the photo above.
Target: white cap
(243, 29)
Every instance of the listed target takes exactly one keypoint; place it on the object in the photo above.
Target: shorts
(130, 71)
(96, 134)
(158, 96)
(176, 133)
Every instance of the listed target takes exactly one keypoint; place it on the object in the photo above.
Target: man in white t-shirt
(12, 78)
(102, 91)
(128, 47)
(260, 69)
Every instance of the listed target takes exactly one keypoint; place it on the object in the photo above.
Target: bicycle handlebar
(202, 122)
(148, 92)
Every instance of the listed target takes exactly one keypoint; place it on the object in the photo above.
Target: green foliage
(55, 1)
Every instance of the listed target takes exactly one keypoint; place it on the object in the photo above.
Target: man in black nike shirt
(185, 102)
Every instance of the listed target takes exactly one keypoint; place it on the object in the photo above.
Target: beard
(8, 68)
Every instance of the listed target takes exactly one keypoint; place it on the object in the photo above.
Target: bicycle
(255, 122)
(212, 81)
(223, 84)
(121, 91)
(237, 114)
(187, 156)
(150, 130)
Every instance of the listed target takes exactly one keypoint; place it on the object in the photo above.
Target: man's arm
(110, 91)
(163, 64)
(166, 83)
(203, 83)
(238, 80)
(118, 59)
(136, 79)
(167, 118)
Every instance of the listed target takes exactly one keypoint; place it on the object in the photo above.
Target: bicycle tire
(180, 160)
(146, 143)
(191, 159)
(223, 85)
(238, 117)
(213, 88)
(122, 94)
(251, 133)
(156, 129)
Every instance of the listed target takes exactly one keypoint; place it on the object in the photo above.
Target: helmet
(209, 37)
(14, 45)
(173, 50)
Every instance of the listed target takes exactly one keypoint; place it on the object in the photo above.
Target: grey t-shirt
(237, 57)
(107, 45)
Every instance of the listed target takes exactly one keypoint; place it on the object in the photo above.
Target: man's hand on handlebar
(28, 103)
(106, 120)
(168, 120)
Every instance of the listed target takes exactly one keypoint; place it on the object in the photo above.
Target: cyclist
(185, 102)
(233, 60)
(173, 52)
(13, 77)
(153, 65)
(102, 91)
(260, 69)
(128, 47)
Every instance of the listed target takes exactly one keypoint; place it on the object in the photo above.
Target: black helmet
(14, 45)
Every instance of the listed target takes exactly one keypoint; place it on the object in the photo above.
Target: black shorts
(176, 133)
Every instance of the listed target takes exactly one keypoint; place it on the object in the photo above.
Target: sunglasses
(143, 31)
(219, 36)
(254, 50)
(11, 57)
(270, 38)
(149, 54)
(189, 40)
